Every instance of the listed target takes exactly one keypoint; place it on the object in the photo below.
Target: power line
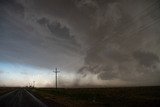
(56, 71)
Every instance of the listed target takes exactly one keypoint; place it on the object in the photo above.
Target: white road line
(8, 94)
(36, 99)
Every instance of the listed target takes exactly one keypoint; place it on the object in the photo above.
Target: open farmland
(4, 90)
(102, 97)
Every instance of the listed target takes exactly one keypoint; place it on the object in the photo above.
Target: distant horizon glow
(17, 75)
(21, 75)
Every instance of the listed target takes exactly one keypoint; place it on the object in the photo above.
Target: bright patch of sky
(23, 75)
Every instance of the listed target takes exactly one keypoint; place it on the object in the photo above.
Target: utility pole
(56, 71)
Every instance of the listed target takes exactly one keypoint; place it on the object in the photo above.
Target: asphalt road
(20, 98)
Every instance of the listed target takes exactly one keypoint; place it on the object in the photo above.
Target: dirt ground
(101, 97)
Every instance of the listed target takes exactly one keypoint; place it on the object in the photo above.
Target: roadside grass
(4, 90)
(112, 97)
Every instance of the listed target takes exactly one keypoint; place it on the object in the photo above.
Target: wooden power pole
(56, 71)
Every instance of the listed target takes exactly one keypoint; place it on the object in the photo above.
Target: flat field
(101, 97)
(4, 90)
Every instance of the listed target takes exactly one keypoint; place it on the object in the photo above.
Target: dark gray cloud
(13, 6)
(43, 21)
(35, 44)
(114, 40)
(146, 58)
(58, 30)
(109, 38)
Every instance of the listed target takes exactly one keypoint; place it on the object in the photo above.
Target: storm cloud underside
(100, 42)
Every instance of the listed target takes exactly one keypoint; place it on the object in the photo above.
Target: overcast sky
(92, 42)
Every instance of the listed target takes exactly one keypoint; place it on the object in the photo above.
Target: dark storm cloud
(146, 58)
(59, 33)
(118, 32)
(65, 12)
(108, 75)
(13, 6)
(115, 39)
(34, 44)
(58, 30)
(43, 21)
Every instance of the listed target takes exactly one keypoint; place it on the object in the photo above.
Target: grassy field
(4, 90)
(102, 97)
